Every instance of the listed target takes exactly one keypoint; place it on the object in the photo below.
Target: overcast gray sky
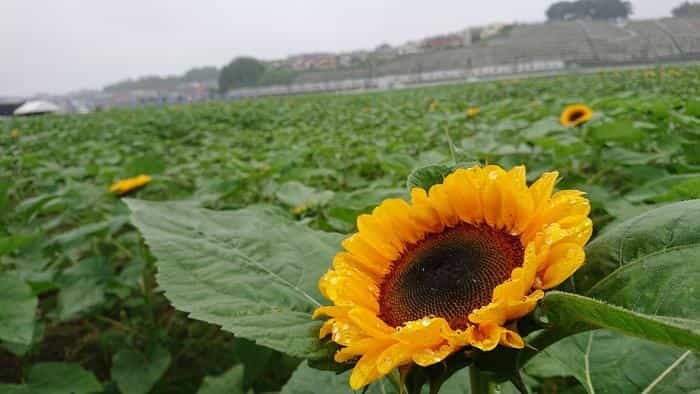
(57, 46)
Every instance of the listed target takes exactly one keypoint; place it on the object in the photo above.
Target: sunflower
(14, 133)
(473, 111)
(454, 268)
(126, 185)
(433, 106)
(576, 114)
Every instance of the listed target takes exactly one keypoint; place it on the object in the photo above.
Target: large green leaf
(577, 313)
(620, 131)
(299, 196)
(664, 188)
(607, 362)
(230, 382)
(56, 378)
(251, 271)
(307, 380)
(658, 237)
(17, 309)
(137, 372)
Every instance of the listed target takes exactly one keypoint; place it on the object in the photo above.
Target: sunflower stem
(481, 382)
(451, 145)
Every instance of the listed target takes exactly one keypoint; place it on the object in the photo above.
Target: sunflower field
(184, 249)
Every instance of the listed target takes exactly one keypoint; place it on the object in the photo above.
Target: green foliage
(573, 313)
(55, 378)
(607, 362)
(251, 271)
(136, 372)
(424, 177)
(83, 282)
(686, 10)
(240, 72)
(593, 9)
(17, 309)
(230, 382)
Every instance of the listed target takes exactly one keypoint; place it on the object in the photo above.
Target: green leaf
(251, 271)
(56, 378)
(4, 196)
(541, 128)
(664, 188)
(622, 131)
(230, 382)
(300, 196)
(424, 177)
(657, 237)
(306, 380)
(607, 362)
(83, 287)
(579, 313)
(82, 233)
(149, 165)
(17, 309)
(136, 372)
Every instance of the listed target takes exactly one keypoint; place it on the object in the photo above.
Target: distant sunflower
(14, 133)
(473, 111)
(433, 106)
(126, 185)
(457, 267)
(576, 114)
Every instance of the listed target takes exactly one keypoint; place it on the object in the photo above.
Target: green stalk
(481, 382)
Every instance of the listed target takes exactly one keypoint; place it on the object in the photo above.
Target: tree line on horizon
(246, 71)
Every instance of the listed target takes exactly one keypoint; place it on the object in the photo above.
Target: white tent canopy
(37, 107)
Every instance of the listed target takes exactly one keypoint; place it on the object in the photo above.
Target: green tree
(687, 10)
(589, 9)
(200, 74)
(241, 72)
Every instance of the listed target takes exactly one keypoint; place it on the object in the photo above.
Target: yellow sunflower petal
(439, 199)
(394, 356)
(542, 189)
(463, 196)
(511, 339)
(381, 239)
(427, 357)
(485, 336)
(364, 252)
(365, 370)
(564, 260)
(326, 328)
(368, 322)
(423, 214)
(358, 348)
(397, 211)
(426, 332)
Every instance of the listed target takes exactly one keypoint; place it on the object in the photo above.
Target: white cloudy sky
(62, 45)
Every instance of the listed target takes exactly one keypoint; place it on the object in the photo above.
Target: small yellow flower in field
(576, 114)
(454, 269)
(366, 109)
(433, 106)
(649, 74)
(14, 133)
(126, 185)
(473, 111)
(534, 103)
(299, 209)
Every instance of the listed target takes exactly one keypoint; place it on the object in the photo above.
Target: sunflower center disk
(576, 116)
(448, 275)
